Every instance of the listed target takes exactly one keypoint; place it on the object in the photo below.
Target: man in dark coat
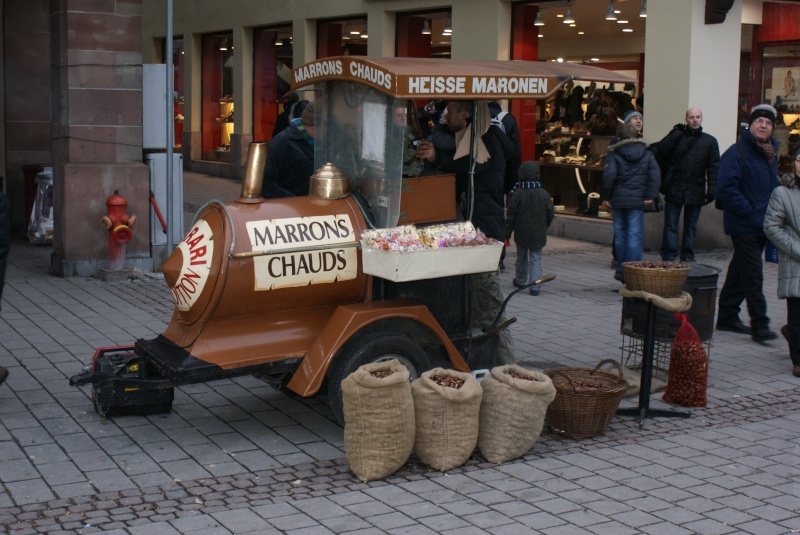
(495, 156)
(690, 158)
(282, 121)
(290, 162)
(5, 246)
(748, 172)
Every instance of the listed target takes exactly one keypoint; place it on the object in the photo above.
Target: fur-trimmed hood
(787, 181)
(631, 149)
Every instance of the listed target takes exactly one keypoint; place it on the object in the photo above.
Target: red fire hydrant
(119, 226)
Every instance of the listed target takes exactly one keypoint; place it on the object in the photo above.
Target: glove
(710, 197)
(506, 243)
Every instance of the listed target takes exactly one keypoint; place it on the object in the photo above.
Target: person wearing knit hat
(782, 229)
(290, 159)
(282, 121)
(635, 118)
(748, 173)
(530, 212)
(763, 110)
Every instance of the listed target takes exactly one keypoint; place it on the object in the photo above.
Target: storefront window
(342, 37)
(272, 66)
(423, 35)
(217, 95)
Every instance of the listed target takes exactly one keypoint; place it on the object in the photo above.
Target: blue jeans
(669, 239)
(628, 231)
(528, 267)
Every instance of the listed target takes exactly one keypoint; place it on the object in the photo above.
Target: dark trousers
(669, 238)
(745, 281)
(793, 320)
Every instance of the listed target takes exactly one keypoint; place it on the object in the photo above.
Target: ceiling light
(610, 15)
(560, 60)
(627, 30)
(426, 28)
(448, 30)
(364, 34)
(580, 33)
(354, 31)
(643, 12)
(540, 35)
(621, 21)
(572, 25)
(595, 59)
(538, 21)
(568, 16)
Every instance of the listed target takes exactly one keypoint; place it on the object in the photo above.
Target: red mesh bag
(688, 367)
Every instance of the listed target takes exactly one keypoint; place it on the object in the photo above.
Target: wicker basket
(580, 412)
(664, 278)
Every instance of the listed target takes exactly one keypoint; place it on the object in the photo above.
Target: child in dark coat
(530, 212)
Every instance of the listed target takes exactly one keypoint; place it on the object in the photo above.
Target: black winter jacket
(530, 212)
(693, 157)
(290, 163)
(490, 176)
(631, 175)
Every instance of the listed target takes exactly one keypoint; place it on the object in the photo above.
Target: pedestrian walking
(748, 172)
(782, 227)
(530, 212)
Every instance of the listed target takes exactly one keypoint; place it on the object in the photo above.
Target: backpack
(497, 121)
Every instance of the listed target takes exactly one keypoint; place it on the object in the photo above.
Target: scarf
(525, 185)
(302, 129)
(766, 149)
(464, 137)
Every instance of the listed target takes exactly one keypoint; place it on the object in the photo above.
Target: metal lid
(328, 182)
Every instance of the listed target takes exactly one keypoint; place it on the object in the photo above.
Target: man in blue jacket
(747, 175)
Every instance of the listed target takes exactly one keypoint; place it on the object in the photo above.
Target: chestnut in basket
(380, 374)
(657, 265)
(448, 381)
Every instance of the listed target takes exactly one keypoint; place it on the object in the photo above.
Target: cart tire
(368, 349)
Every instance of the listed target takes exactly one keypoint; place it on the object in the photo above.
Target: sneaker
(763, 335)
(516, 284)
(796, 370)
(3, 374)
(535, 292)
(688, 260)
(620, 277)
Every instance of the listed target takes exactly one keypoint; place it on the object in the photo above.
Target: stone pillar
(699, 68)
(97, 131)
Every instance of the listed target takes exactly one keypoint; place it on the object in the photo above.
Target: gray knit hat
(763, 110)
(528, 171)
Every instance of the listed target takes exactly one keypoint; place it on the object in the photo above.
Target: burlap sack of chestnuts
(379, 419)
(512, 412)
(447, 404)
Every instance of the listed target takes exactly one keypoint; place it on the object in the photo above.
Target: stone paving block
(420, 510)
(514, 509)
(30, 436)
(615, 528)
(17, 470)
(463, 483)
(664, 528)
(346, 523)
(443, 522)
(540, 521)
(29, 491)
(185, 470)
(289, 523)
(515, 529)
(256, 460)
(635, 519)
(412, 530)
(322, 451)
(154, 528)
(241, 521)
(61, 473)
(320, 508)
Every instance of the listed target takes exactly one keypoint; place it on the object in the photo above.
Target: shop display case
(572, 166)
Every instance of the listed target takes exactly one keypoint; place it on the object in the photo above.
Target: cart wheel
(368, 349)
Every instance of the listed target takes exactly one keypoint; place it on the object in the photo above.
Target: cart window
(357, 131)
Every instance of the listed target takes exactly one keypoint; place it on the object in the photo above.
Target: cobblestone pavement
(235, 456)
